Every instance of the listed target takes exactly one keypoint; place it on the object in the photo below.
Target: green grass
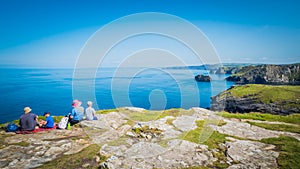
(278, 127)
(293, 118)
(141, 116)
(5, 144)
(288, 96)
(2, 141)
(106, 111)
(147, 130)
(212, 141)
(149, 115)
(22, 143)
(175, 112)
(86, 156)
(169, 121)
(194, 135)
(288, 148)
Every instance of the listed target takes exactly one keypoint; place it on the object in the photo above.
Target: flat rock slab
(245, 130)
(185, 123)
(251, 154)
(42, 147)
(143, 150)
(134, 109)
(144, 155)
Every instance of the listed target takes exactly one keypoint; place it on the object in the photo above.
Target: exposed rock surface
(256, 101)
(164, 150)
(185, 123)
(251, 154)
(42, 147)
(227, 70)
(268, 74)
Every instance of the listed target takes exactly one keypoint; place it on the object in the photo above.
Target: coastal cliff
(267, 74)
(259, 98)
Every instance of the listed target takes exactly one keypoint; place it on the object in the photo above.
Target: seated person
(49, 123)
(76, 113)
(28, 121)
(90, 111)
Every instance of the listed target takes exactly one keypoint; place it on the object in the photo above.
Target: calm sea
(51, 89)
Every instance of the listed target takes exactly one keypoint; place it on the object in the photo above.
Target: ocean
(155, 89)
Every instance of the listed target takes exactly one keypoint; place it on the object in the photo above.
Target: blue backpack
(11, 127)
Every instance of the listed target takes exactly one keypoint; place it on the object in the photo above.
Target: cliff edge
(268, 74)
(282, 100)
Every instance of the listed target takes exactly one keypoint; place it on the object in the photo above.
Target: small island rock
(202, 78)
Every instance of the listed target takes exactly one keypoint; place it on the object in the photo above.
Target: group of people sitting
(29, 121)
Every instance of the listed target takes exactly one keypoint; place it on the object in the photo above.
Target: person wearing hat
(49, 123)
(28, 121)
(76, 114)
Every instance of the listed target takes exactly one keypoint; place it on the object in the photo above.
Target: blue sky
(48, 33)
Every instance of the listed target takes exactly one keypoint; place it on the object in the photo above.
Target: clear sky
(50, 33)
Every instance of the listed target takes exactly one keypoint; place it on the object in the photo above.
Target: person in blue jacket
(76, 113)
(49, 123)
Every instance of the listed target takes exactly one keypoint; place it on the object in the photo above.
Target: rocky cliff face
(281, 100)
(249, 104)
(267, 74)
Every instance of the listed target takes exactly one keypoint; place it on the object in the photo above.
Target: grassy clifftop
(255, 97)
(266, 93)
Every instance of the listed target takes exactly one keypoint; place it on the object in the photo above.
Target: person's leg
(72, 122)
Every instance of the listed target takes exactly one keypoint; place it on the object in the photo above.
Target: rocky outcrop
(202, 78)
(243, 151)
(258, 98)
(33, 150)
(162, 146)
(227, 70)
(267, 74)
(249, 104)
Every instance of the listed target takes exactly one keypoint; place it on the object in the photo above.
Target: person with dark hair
(49, 123)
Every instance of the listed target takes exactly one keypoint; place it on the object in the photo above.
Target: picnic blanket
(36, 130)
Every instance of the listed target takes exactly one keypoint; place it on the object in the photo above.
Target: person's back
(89, 113)
(28, 120)
(74, 114)
(80, 112)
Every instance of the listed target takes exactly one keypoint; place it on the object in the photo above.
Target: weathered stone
(86, 165)
(245, 130)
(130, 134)
(185, 123)
(251, 154)
(143, 150)
(171, 133)
(54, 150)
(134, 109)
